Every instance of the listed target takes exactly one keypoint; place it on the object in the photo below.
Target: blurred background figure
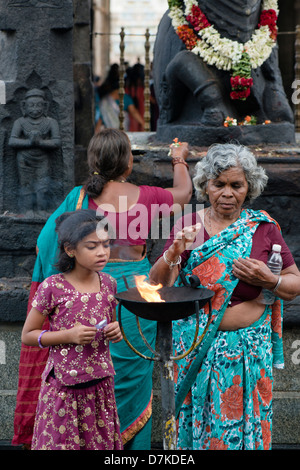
(108, 106)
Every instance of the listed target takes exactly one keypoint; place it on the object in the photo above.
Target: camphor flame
(148, 291)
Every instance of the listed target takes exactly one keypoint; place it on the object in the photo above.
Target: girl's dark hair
(108, 156)
(71, 228)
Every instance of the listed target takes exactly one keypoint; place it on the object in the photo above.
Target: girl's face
(92, 252)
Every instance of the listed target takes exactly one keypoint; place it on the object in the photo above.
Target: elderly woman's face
(228, 191)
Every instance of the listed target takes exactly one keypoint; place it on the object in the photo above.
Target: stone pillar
(101, 42)
(36, 120)
(36, 157)
(84, 92)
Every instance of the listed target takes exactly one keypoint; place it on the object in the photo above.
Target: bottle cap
(276, 248)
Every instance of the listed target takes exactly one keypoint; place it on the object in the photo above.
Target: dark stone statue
(196, 95)
(35, 137)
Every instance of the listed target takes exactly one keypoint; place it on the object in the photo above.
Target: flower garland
(200, 37)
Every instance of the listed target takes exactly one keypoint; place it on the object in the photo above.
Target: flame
(148, 291)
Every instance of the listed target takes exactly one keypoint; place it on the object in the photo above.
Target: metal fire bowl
(179, 302)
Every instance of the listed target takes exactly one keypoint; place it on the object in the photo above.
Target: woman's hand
(184, 239)
(181, 150)
(112, 332)
(255, 272)
(162, 271)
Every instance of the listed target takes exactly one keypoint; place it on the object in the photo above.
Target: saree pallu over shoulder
(212, 263)
(47, 240)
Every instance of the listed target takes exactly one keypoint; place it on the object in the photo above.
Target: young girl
(76, 408)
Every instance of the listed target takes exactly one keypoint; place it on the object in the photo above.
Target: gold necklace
(122, 180)
(208, 219)
(209, 223)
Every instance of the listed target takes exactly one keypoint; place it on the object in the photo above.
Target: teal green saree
(224, 387)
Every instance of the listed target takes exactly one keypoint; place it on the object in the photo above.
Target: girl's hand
(81, 334)
(113, 333)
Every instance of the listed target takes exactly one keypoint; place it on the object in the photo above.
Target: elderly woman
(224, 387)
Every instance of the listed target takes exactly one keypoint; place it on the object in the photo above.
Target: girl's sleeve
(44, 299)
(113, 291)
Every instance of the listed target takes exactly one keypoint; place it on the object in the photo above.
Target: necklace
(208, 222)
(121, 180)
(213, 230)
(204, 40)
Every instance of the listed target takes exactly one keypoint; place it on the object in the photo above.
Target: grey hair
(221, 157)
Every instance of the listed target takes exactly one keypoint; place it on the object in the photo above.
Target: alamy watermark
(296, 354)
(141, 222)
(2, 92)
(296, 95)
(2, 352)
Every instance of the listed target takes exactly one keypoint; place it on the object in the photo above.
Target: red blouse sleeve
(155, 196)
(266, 235)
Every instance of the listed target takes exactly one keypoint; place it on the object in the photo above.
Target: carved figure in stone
(35, 137)
(190, 90)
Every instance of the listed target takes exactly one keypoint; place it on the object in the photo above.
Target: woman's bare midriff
(241, 315)
(126, 253)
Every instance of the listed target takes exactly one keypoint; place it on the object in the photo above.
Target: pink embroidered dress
(76, 408)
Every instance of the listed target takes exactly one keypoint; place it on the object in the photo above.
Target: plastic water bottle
(274, 264)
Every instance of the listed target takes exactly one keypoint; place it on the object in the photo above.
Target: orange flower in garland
(203, 39)
(188, 36)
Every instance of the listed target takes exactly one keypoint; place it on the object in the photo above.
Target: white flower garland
(224, 53)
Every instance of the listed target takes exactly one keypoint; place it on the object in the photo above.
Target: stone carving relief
(35, 138)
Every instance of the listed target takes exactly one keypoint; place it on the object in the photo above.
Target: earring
(71, 255)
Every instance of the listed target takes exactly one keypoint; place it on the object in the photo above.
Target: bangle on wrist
(180, 160)
(39, 339)
(171, 264)
(277, 284)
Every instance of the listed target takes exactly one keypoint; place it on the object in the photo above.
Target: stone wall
(152, 166)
